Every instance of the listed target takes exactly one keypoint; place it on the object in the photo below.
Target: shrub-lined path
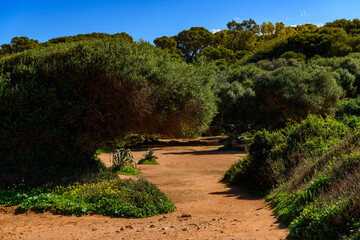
(189, 174)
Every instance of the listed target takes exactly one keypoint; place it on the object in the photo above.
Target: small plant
(149, 158)
(121, 157)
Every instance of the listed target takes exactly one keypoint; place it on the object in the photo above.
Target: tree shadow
(206, 152)
(237, 191)
(243, 193)
(208, 141)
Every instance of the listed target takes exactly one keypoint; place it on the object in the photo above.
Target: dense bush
(285, 91)
(321, 198)
(116, 198)
(351, 107)
(59, 104)
(273, 156)
(312, 169)
(346, 71)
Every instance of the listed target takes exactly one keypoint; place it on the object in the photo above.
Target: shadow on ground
(238, 192)
(208, 141)
(206, 152)
(243, 193)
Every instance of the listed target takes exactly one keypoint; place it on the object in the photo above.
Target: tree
(59, 104)
(192, 41)
(246, 25)
(5, 49)
(280, 29)
(19, 44)
(351, 27)
(291, 93)
(290, 31)
(306, 27)
(170, 45)
(294, 55)
(267, 28)
(213, 53)
(235, 40)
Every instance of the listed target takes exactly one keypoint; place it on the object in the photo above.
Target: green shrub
(351, 121)
(149, 158)
(116, 198)
(273, 156)
(350, 107)
(256, 98)
(320, 198)
(59, 104)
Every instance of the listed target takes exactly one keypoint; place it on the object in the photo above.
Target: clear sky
(43, 20)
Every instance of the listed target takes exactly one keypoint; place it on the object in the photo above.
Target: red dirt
(189, 174)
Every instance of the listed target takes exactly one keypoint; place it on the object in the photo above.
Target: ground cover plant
(110, 197)
(128, 169)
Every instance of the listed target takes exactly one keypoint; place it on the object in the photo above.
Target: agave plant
(122, 156)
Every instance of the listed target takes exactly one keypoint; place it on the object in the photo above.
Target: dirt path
(189, 174)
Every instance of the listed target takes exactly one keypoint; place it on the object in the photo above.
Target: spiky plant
(121, 157)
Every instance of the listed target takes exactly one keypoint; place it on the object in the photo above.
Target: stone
(186, 215)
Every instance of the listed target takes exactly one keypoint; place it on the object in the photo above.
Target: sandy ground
(189, 174)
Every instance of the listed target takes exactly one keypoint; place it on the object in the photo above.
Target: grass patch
(113, 197)
(149, 162)
(128, 169)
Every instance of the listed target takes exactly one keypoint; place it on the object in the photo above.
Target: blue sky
(43, 20)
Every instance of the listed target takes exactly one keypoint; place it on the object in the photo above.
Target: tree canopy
(59, 104)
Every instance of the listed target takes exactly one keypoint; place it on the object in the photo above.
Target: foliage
(149, 158)
(114, 197)
(246, 25)
(170, 45)
(61, 103)
(122, 157)
(254, 97)
(312, 169)
(18, 44)
(350, 107)
(89, 36)
(192, 41)
(321, 198)
(273, 156)
(294, 55)
(127, 169)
